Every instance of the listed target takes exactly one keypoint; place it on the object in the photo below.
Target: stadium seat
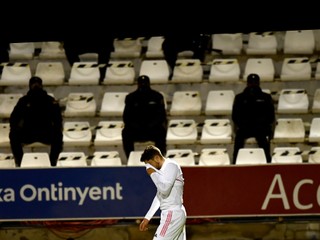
(251, 156)
(314, 155)
(7, 102)
(119, 72)
(127, 48)
(113, 103)
(182, 131)
(52, 50)
(84, 73)
(316, 101)
(4, 134)
(187, 70)
(216, 131)
(224, 70)
(106, 159)
(7, 160)
(51, 73)
(134, 159)
(227, 43)
(264, 67)
(290, 130)
(80, 104)
(72, 159)
(21, 50)
(185, 157)
(299, 42)
(286, 155)
(109, 133)
(15, 74)
(35, 160)
(296, 69)
(154, 47)
(186, 103)
(219, 102)
(314, 132)
(77, 133)
(157, 70)
(293, 101)
(214, 157)
(262, 43)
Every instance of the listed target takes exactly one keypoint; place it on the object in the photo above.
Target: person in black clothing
(144, 117)
(36, 118)
(253, 115)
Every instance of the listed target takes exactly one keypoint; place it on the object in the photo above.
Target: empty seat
(227, 43)
(295, 69)
(154, 47)
(72, 159)
(35, 159)
(249, 156)
(316, 101)
(4, 134)
(314, 132)
(290, 130)
(21, 50)
(262, 43)
(182, 131)
(185, 157)
(80, 104)
(293, 101)
(216, 131)
(314, 155)
(224, 70)
(157, 70)
(7, 160)
(286, 155)
(51, 73)
(186, 103)
(119, 72)
(134, 159)
(113, 103)
(7, 102)
(106, 159)
(299, 42)
(77, 133)
(214, 157)
(187, 70)
(317, 71)
(52, 50)
(84, 73)
(108, 133)
(15, 74)
(264, 67)
(219, 102)
(127, 48)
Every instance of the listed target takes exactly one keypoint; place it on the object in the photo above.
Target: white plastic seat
(314, 155)
(262, 43)
(181, 131)
(21, 50)
(317, 71)
(264, 67)
(80, 104)
(154, 47)
(185, 157)
(134, 159)
(216, 131)
(15, 74)
(51, 73)
(77, 133)
(84, 73)
(290, 130)
(187, 70)
(52, 50)
(127, 48)
(113, 103)
(106, 159)
(219, 102)
(119, 72)
(224, 70)
(286, 155)
(109, 133)
(72, 159)
(7, 160)
(296, 69)
(35, 160)
(299, 42)
(251, 156)
(316, 101)
(314, 132)
(4, 134)
(157, 70)
(293, 101)
(214, 157)
(186, 103)
(7, 103)
(227, 43)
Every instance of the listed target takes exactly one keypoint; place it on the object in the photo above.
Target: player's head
(149, 153)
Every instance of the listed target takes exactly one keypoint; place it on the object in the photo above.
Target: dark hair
(149, 153)
(35, 81)
(253, 79)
